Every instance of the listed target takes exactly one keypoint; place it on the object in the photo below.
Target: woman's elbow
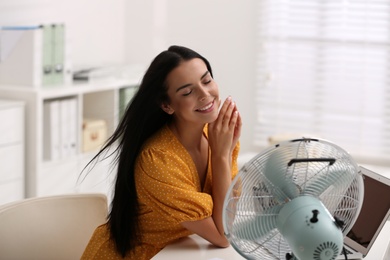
(225, 245)
(222, 243)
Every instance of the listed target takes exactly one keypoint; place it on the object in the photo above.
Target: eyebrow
(187, 85)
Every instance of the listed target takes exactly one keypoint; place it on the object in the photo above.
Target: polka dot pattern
(169, 193)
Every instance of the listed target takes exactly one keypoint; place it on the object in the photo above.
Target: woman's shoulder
(163, 150)
(162, 139)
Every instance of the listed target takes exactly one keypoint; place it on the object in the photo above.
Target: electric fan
(296, 200)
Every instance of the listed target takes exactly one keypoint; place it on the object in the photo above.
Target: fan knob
(314, 219)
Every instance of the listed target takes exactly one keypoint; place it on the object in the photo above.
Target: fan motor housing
(309, 229)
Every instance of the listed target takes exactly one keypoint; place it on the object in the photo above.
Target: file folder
(73, 126)
(64, 128)
(125, 96)
(47, 55)
(60, 119)
(58, 53)
(51, 130)
(21, 54)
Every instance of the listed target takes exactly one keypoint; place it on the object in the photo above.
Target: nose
(203, 93)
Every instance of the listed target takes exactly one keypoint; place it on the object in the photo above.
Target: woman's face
(193, 93)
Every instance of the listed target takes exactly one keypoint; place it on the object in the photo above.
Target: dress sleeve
(234, 160)
(167, 182)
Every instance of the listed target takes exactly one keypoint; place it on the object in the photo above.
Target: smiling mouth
(206, 108)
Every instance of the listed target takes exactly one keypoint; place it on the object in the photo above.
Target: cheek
(184, 105)
(215, 89)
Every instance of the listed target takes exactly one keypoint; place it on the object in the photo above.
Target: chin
(213, 118)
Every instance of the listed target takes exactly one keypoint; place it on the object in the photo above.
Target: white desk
(196, 248)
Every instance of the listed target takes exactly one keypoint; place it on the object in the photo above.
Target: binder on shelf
(51, 130)
(47, 50)
(125, 96)
(60, 129)
(68, 110)
(32, 55)
(73, 123)
(58, 52)
(21, 52)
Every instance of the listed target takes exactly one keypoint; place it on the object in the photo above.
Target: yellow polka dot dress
(169, 192)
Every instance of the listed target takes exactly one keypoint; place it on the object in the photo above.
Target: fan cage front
(253, 197)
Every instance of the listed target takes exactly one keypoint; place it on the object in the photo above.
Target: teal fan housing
(295, 200)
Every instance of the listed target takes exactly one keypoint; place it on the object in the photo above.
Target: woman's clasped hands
(225, 131)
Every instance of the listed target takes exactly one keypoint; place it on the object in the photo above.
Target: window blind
(323, 71)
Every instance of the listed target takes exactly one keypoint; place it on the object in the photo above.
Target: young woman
(176, 154)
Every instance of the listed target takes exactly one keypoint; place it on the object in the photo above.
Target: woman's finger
(233, 120)
(229, 115)
(223, 110)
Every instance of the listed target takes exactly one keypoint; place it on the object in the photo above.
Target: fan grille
(329, 248)
(252, 195)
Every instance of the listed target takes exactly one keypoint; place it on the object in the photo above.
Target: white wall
(104, 32)
(221, 30)
(95, 28)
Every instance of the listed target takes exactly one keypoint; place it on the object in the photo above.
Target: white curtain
(323, 71)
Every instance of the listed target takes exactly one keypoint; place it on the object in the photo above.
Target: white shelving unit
(94, 100)
(11, 151)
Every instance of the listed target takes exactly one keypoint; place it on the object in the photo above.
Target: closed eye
(207, 78)
(187, 93)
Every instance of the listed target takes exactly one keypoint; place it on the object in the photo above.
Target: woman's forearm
(221, 183)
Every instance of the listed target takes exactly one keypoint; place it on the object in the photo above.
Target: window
(324, 71)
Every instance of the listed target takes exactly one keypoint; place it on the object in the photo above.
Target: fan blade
(258, 226)
(319, 185)
(274, 171)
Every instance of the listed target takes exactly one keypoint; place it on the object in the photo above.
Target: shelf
(96, 100)
(83, 88)
(71, 89)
